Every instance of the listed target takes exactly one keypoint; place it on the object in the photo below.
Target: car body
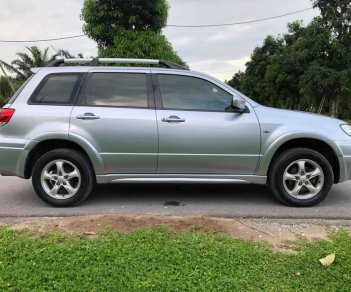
(160, 136)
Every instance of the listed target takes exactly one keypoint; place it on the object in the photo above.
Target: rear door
(199, 133)
(116, 114)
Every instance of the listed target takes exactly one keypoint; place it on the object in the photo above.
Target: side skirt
(179, 178)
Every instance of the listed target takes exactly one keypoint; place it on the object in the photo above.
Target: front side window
(190, 93)
(57, 89)
(117, 90)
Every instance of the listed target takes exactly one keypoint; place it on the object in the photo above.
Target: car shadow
(181, 194)
(18, 199)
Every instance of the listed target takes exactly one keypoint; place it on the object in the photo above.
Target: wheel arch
(45, 145)
(330, 152)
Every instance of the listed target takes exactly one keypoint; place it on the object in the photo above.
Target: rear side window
(117, 90)
(57, 89)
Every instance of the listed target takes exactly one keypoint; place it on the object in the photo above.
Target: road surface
(18, 199)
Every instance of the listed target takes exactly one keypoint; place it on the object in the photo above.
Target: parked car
(69, 127)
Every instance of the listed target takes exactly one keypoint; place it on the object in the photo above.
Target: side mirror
(238, 104)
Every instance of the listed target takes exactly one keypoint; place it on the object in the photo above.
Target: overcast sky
(219, 51)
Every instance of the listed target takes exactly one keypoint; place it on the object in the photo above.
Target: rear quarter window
(61, 89)
(18, 92)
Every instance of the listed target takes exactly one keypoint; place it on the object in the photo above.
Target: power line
(242, 22)
(169, 25)
(44, 40)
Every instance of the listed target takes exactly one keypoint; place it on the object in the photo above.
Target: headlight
(347, 129)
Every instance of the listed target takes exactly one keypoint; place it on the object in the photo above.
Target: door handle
(173, 119)
(87, 116)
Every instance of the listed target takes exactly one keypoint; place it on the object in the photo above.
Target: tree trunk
(298, 103)
(295, 103)
(291, 105)
(321, 105)
(332, 107)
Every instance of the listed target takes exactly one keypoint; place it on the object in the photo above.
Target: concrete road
(17, 199)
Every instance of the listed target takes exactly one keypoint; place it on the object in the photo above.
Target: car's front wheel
(63, 177)
(301, 177)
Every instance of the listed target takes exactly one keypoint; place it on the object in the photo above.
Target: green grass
(155, 260)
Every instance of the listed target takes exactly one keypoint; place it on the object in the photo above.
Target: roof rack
(97, 61)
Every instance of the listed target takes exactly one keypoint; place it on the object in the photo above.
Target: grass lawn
(156, 260)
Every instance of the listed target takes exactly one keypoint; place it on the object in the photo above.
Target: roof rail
(56, 63)
(97, 61)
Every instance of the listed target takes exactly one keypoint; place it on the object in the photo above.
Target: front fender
(274, 146)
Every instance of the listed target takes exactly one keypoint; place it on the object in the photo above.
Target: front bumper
(345, 160)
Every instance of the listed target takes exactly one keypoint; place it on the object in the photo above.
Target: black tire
(289, 157)
(76, 159)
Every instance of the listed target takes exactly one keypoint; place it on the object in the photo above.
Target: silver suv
(70, 127)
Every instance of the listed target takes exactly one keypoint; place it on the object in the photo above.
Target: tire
(301, 177)
(63, 177)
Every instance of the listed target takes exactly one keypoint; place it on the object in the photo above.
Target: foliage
(19, 68)
(336, 16)
(129, 29)
(253, 81)
(103, 17)
(145, 44)
(5, 90)
(307, 68)
(156, 260)
(33, 58)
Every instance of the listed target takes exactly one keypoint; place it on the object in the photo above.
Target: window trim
(79, 82)
(159, 100)
(81, 100)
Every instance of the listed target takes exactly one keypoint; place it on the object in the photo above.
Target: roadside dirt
(278, 233)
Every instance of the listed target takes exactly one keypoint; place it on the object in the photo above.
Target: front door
(114, 115)
(199, 133)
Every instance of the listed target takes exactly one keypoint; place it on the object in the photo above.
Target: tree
(26, 61)
(5, 90)
(129, 29)
(252, 82)
(336, 16)
(285, 70)
(320, 81)
(235, 82)
(21, 66)
(103, 17)
(141, 44)
(311, 67)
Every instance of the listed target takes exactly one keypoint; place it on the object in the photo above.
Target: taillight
(6, 115)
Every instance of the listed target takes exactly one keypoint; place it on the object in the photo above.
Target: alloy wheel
(303, 179)
(60, 179)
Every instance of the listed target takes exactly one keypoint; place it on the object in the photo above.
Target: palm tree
(34, 58)
(5, 90)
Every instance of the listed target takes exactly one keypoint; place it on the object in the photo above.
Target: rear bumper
(13, 156)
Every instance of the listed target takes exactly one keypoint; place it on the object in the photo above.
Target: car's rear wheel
(301, 177)
(63, 177)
